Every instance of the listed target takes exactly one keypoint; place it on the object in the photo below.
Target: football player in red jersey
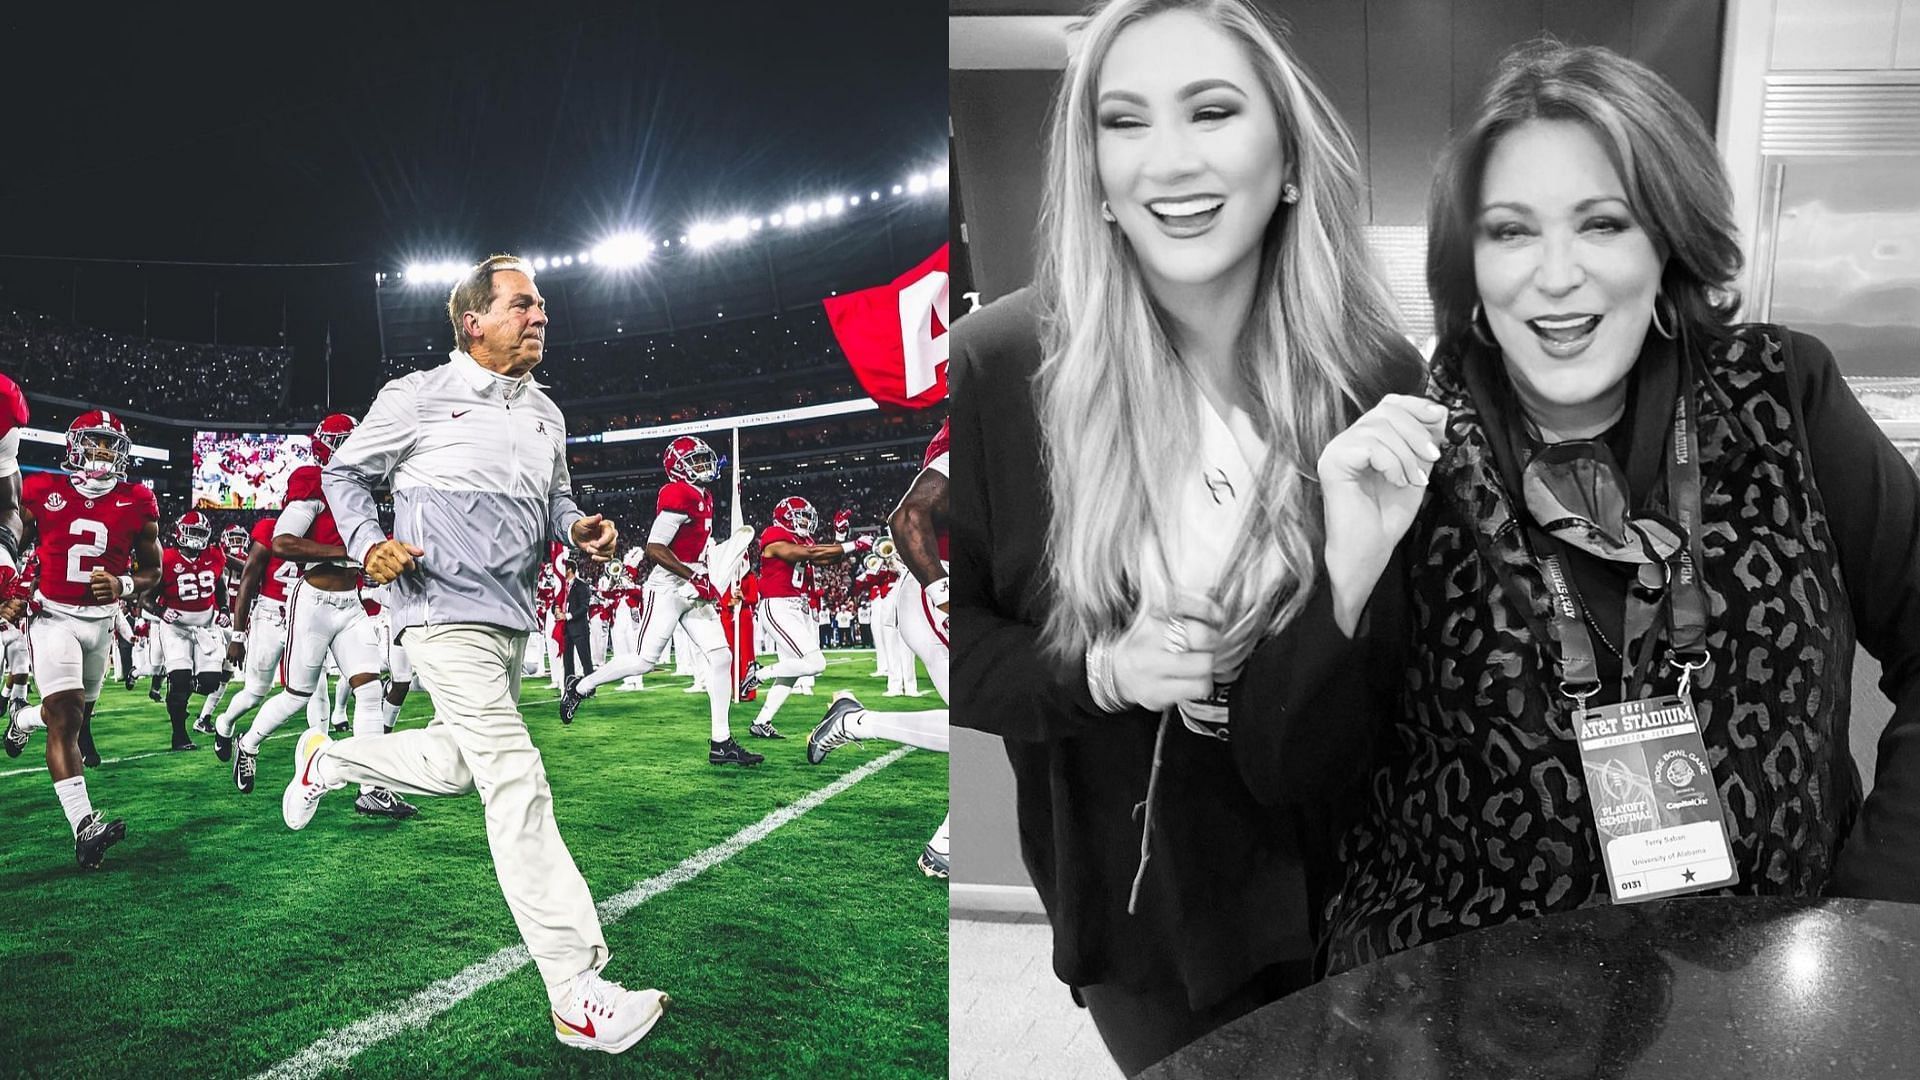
(787, 558)
(191, 596)
(680, 592)
(260, 620)
(99, 541)
(919, 527)
(324, 615)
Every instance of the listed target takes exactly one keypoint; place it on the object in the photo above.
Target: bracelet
(938, 591)
(1100, 681)
(126, 585)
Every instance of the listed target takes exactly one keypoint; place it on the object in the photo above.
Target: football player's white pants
(478, 741)
(685, 660)
(18, 651)
(266, 641)
(191, 648)
(319, 623)
(69, 652)
(925, 629)
(790, 623)
(664, 609)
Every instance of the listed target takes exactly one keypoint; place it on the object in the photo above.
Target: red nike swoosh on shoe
(308, 770)
(457, 416)
(587, 1031)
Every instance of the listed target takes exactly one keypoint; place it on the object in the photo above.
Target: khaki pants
(477, 740)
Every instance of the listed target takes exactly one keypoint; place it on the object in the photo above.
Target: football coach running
(476, 456)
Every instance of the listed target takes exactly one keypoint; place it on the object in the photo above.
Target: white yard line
(337, 1049)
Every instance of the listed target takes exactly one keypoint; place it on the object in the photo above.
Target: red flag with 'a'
(895, 335)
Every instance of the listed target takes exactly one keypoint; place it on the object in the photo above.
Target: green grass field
(216, 942)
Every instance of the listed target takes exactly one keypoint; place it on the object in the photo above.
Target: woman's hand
(1373, 478)
(1166, 657)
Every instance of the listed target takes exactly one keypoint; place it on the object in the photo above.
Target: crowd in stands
(211, 382)
(912, 430)
(750, 348)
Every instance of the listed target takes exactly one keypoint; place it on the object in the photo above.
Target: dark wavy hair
(1658, 146)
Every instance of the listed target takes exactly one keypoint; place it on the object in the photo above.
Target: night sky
(367, 135)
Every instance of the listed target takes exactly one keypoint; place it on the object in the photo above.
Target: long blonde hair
(1117, 411)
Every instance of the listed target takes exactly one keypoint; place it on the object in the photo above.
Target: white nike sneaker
(602, 1015)
(302, 796)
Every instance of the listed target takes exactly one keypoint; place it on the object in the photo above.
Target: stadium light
(755, 224)
(539, 262)
(795, 212)
(814, 210)
(853, 200)
(623, 249)
(586, 256)
(567, 260)
(873, 196)
(736, 228)
(917, 183)
(835, 205)
(775, 220)
(940, 176)
(896, 189)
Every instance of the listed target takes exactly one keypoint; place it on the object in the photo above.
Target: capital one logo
(921, 303)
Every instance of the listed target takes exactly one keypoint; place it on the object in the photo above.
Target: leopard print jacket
(1477, 812)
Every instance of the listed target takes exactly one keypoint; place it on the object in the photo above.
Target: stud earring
(1106, 213)
(1289, 194)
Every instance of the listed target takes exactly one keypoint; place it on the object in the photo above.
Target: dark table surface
(1748, 987)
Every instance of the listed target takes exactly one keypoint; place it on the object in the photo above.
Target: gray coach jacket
(478, 465)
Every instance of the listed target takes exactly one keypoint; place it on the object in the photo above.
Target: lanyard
(1687, 611)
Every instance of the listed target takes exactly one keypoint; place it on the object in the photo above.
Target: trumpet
(873, 562)
(885, 548)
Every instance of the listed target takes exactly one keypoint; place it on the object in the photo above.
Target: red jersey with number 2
(83, 533)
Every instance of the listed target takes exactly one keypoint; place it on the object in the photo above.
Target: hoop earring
(1289, 194)
(1673, 320)
(1484, 337)
(1106, 213)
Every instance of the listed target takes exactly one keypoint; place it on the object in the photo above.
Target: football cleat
(302, 796)
(90, 758)
(95, 836)
(570, 699)
(153, 694)
(603, 1015)
(764, 731)
(223, 746)
(933, 863)
(751, 680)
(341, 724)
(380, 802)
(186, 745)
(204, 725)
(731, 753)
(16, 739)
(832, 731)
(244, 765)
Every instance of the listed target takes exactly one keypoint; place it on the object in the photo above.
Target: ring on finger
(1176, 635)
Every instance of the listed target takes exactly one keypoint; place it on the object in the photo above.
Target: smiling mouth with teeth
(1562, 329)
(1185, 210)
